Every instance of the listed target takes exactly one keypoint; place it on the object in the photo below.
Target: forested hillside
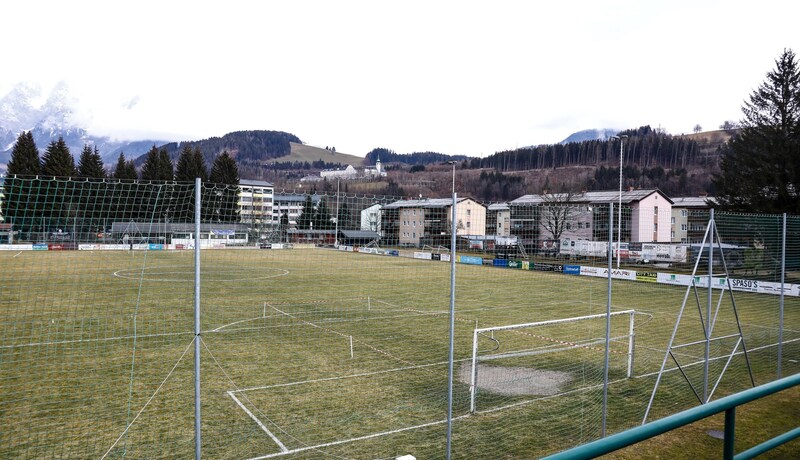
(244, 146)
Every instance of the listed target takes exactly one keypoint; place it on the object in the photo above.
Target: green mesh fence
(325, 319)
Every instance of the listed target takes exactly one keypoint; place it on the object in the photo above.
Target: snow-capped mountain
(22, 110)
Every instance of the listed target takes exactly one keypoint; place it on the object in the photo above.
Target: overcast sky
(456, 77)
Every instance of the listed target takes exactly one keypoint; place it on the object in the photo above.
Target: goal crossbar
(479, 331)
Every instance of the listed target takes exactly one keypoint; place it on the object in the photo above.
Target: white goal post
(592, 344)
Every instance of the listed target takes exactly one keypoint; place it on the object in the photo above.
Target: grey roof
(254, 183)
(291, 198)
(628, 197)
(498, 207)
(425, 203)
(360, 234)
(693, 202)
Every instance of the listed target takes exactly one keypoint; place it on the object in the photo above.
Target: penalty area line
(283, 448)
(360, 438)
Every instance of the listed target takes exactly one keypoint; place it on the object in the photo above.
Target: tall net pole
(608, 318)
(452, 319)
(197, 203)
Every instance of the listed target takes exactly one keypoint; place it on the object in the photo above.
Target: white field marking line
(716, 358)
(258, 422)
(103, 339)
(360, 438)
(345, 377)
(545, 397)
(149, 400)
(347, 336)
(120, 274)
(278, 326)
(15, 255)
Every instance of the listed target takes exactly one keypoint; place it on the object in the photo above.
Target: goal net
(516, 363)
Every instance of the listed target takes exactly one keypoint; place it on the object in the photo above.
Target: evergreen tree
(19, 206)
(157, 166)
(322, 216)
(191, 165)
(224, 170)
(24, 157)
(125, 170)
(90, 164)
(760, 167)
(57, 161)
(306, 216)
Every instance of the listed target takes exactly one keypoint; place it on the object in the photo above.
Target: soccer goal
(546, 358)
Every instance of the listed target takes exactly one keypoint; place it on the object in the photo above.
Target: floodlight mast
(621, 139)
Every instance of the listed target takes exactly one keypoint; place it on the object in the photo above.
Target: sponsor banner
(57, 247)
(572, 269)
(422, 255)
(436, 257)
(546, 267)
(500, 262)
(526, 265)
(514, 264)
(471, 260)
(392, 252)
(671, 278)
(768, 287)
(223, 232)
(155, 247)
(445, 257)
(40, 247)
(603, 273)
(88, 247)
(649, 277)
(369, 250)
(745, 285)
(16, 247)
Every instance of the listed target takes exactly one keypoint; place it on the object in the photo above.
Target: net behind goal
(515, 363)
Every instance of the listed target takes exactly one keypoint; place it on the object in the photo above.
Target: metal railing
(727, 404)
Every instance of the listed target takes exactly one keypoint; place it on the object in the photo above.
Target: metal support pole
(707, 351)
(783, 278)
(452, 320)
(197, 185)
(336, 236)
(608, 320)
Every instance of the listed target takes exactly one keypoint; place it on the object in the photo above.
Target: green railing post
(730, 434)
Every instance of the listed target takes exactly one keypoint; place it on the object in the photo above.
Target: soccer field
(314, 353)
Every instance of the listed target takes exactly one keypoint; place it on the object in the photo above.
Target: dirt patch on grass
(513, 381)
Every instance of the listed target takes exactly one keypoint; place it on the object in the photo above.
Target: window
(588, 226)
(683, 227)
(672, 221)
(468, 222)
(468, 211)
(655, 210)
(684, 212)
(569, 227)
(499, 225)
(672, 234)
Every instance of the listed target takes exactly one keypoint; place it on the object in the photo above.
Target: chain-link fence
(324, 319)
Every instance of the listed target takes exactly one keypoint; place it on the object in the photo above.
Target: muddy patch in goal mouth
(514, 381)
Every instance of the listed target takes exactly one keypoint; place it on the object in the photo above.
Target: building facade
(689, 218)
(255, 202)
(417, 223)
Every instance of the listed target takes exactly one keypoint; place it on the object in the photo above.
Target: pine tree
(322, 216)
(760, 167)
(225, 179)
(24, 157)
(57, 161)
(125, 170)
(19, 206)
(90, 164)
(157, 166)
(224, 170)
(306, 216)
(191, 165)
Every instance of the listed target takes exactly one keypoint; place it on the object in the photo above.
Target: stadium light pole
(452, 316)
(619, 210)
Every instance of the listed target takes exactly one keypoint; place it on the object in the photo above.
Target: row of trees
(42, 195)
